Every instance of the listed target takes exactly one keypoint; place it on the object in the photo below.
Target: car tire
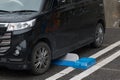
(99, 36)
(41, 58)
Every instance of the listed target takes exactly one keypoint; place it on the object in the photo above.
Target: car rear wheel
(41, 58)
(99, 36)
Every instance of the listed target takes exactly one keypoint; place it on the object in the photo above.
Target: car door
(62, 31)
(84, 19)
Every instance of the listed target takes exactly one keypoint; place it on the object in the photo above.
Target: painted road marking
(96, 67)
(105, 50)
(61, 73)
(70, 69)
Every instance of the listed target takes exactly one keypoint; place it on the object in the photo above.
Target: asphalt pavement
(109, 71)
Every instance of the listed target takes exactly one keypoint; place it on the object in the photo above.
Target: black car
(35, 32)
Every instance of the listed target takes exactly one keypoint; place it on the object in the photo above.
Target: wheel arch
(50, 43)
(44, 40)
(103, 23)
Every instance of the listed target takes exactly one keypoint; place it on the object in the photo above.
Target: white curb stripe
(96, 67)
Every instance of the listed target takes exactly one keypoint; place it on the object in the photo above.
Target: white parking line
(70, 69)
(61, 73)
(105, 50)
(96, 67)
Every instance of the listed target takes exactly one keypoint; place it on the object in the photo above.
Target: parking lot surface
(104, 71)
